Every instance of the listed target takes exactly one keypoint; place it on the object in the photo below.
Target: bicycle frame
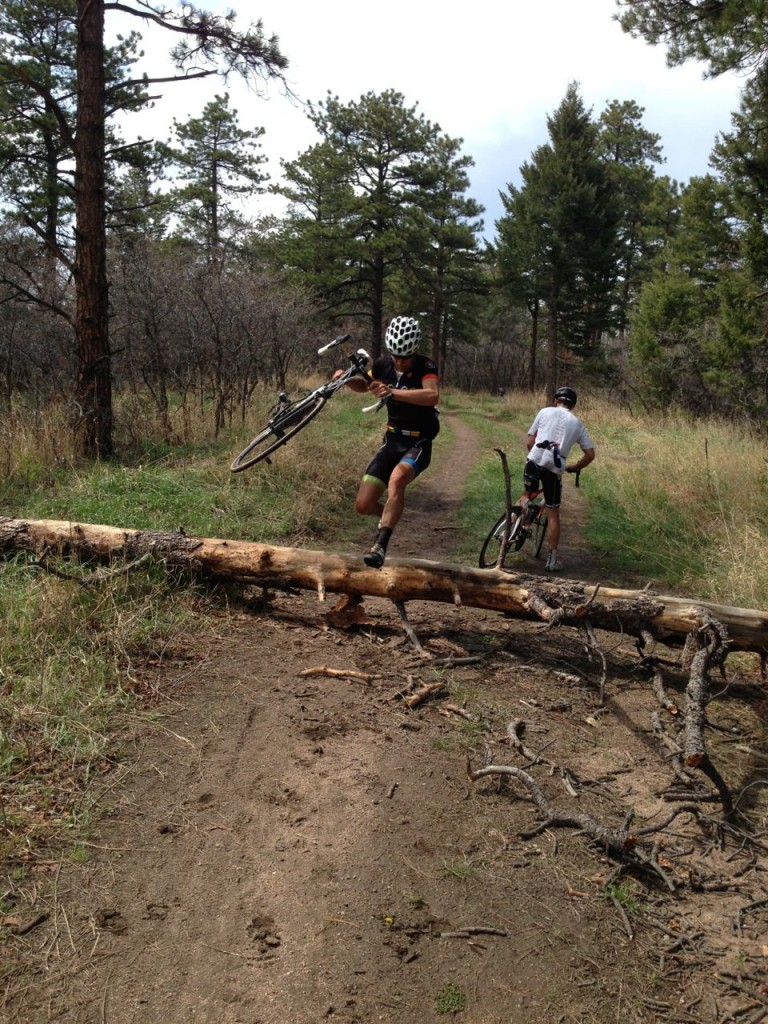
(325, 391)
(289, 416)
(514, 530)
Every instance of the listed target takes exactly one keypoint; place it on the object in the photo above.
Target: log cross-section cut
(666, 618)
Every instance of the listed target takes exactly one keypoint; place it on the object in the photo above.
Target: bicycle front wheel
(489, 552)
(285, 424)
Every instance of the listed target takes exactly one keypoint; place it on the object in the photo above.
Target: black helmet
(567, 395)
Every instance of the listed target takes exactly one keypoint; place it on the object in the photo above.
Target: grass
(661, 496)
(624, 896)
(462, 870)
(451, 998)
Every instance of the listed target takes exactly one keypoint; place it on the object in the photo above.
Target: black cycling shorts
(535, 478)
(398, 448)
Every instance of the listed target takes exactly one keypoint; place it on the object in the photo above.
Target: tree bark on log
(560, 601)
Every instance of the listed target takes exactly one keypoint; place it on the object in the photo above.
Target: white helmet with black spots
(403, 336)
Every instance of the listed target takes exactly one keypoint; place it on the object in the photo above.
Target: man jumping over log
(410, 385)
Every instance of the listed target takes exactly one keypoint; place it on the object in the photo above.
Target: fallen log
(559, 601)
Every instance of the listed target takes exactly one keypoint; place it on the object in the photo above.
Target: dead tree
(668, 619)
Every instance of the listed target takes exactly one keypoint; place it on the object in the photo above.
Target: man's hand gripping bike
(289, 417)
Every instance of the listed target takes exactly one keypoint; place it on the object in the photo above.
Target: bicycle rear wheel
(489, 552)
(539, 532)
(285, 424)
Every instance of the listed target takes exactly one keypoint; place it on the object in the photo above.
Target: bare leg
(368, 501)
(402, 475)
(553, 528)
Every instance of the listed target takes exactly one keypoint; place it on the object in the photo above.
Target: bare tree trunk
(94, 383)
(377, 310)
(556, 602)
(534, 311)
(551, 381)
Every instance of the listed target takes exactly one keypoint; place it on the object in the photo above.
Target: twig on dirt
(391, 790)
(657, 686)
(454, 709)
(400, 605)
(592, 646)
(428, 690)
(465, 933)
(451, 660)
(623, 915)
(620, 842)
(738, 924)
(30, 925)
(226, 952)
(676, 752)
(515, 731)
(680, 941)
(340, 673)
(710, 642)
(736, 982)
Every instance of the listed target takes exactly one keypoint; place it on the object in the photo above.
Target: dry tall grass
(694, 493)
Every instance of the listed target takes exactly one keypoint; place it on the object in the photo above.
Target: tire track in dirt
(429, 524)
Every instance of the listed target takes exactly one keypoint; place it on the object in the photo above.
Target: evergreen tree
(692, 332)
(569, 234)
(722, 33)
(630, 152)
(216, 160)
(209, 44)
(741, 158)
(444, 273)
(356, 199)
(521, 271)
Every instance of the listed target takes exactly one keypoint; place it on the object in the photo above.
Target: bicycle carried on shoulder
(526, 520)
(289, 417)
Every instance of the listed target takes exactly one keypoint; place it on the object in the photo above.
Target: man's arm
(428, 394)
(358, 384)
(587, 457)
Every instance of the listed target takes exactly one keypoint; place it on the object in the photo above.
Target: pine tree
(217, 162)
(567, 234)
(209, 44)
(356, 198)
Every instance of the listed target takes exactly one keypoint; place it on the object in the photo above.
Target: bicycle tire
(285, 425)
(489, 552)
(539, 532)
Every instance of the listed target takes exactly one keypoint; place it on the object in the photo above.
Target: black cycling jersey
(421, 420)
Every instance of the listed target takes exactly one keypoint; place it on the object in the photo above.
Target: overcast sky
(486, 72)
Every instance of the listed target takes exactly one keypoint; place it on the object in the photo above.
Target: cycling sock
(383, 537)
(375, 557)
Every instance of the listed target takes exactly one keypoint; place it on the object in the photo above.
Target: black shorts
(398, 448)
(535, 478)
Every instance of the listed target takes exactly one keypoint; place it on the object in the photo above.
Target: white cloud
(487, 73)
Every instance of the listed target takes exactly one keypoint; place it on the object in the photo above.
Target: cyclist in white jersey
(551, 436)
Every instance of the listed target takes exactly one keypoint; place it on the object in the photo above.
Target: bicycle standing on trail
(410, 386)
(551, 436)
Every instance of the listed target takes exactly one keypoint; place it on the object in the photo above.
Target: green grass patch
(451, 998)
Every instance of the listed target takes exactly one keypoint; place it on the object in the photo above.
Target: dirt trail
(290, 849)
